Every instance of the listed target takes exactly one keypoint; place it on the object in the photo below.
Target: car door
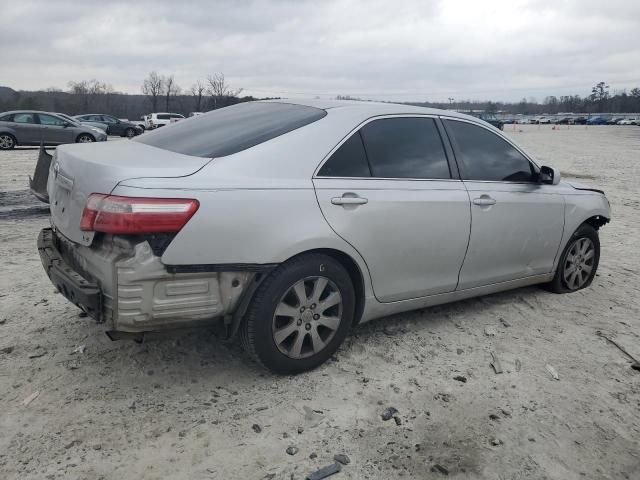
(115, 128)
(55, 130)
(388, 190)
(516, 222)
(27, 128)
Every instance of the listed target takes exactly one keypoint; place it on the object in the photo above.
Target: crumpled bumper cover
(78, 290)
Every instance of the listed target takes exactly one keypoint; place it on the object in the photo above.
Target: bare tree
(197, 90)
(220, 90)
(171, 89)
(88, 91)
(153, 87)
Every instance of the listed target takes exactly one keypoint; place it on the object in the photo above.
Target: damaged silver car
(289, 222)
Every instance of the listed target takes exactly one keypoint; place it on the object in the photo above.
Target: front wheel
(85, 138)
(300, 314)
(579, 261)
(129, 133)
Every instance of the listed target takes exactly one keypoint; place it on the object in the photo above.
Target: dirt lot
(185, 406)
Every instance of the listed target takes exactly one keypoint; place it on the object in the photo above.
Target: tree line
(161, 92)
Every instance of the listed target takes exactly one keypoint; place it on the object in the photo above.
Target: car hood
(581, 186)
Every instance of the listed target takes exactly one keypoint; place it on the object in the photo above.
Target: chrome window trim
(382, 117)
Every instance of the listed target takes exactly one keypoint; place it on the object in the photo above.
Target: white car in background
(542, 120)
(628, 121)
(155, 120)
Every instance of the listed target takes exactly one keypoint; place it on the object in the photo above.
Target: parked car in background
(115, 126)
(491, 119)
(542, 120)
(628, 121)
(614, 120)
(597, 121)
(562, 120)
(155, 120)
(101, 126)
(160, 232)
(142, 122)
(579, 121)
(524, 121)
(29, 127)
(195, 114)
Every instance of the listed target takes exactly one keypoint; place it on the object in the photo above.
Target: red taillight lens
(136, 215)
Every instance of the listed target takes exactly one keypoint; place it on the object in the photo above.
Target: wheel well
(15, 140)
(597, 221)
(354, 272)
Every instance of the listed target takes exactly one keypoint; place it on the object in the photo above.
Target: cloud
(403, 50)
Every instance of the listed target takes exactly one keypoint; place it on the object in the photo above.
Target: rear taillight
(136, 215)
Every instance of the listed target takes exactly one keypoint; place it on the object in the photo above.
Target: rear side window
(232, 129)
(485, 156)
(51, 120)
(24, 118)
(7, 118)
(163, 117)
(405, 148)
(350, 160)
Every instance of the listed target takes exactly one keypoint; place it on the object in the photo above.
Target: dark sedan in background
(115, 126)
(27, 127)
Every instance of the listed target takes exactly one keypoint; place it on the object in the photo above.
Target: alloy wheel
(85, 139)
(307, 317)
(6, 142)
(579, 263)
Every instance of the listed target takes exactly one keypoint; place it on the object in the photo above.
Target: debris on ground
(292, 450)
(397, 419)
(496, 442)
(300, 430)
(325, 472)
(6, 350)
(490, 331)
(552, 371)
(518, 365)
(256, 428)
(437, 468)
(505, 323)
(635, 365)
(389, 413)
(460, 378)
(79, 349)
(495, 363)
(31, 398)
(342, 458)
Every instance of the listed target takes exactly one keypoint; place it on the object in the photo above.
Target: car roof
(372, 109)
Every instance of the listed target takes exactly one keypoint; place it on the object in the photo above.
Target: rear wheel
(85, 138)
(7, 141)
(300, 314)
(579, 261)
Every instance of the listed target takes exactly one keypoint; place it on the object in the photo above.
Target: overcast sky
(391, 49)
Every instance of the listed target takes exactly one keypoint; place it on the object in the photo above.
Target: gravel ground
(185, 406)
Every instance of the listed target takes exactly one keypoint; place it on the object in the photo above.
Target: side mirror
(65, 124)
(549, 175)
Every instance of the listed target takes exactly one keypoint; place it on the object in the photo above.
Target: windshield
(231, 129)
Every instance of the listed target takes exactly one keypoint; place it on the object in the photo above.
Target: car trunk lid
(79, 170)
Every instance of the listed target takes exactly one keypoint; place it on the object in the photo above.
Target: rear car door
(55, 130)
(388, 190)
(27, 128)
(516, 222)
(115, 127)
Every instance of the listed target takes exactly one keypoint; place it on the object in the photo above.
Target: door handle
(484, 201)
(351, 200)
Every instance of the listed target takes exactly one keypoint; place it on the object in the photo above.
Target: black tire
(7, 141)
(129, 133)
(260, 322)
(560, 284)
(85, 138)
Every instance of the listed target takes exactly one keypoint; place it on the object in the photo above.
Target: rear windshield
(232, 129)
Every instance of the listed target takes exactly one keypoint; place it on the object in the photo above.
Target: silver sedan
(289, 222)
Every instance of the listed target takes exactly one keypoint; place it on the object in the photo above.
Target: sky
(398, 50)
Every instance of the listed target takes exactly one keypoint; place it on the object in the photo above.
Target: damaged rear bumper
(124, 284)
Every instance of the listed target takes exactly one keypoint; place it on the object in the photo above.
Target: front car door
(388, 190)
(55, 130)
(516, 222)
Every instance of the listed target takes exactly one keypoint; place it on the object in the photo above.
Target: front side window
(164, 117)
(405, 148)
(51, 120)
(108, 119)
(350, 160)
(24, 118)
(483, 155)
